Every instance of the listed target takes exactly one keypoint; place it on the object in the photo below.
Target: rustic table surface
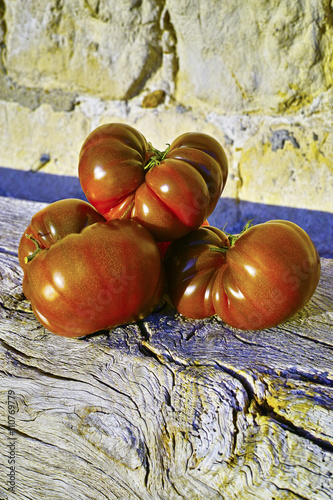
(166, 408)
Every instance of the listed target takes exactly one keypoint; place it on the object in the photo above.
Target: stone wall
(255, 74)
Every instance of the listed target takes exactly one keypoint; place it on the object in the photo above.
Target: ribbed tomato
(170, 193)
(53, 223)
(253, 281)
(83, 274)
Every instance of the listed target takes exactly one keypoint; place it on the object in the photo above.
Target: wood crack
(294, 493)
(314, 340)
(263, 408)
(243, 381)
(316, 379)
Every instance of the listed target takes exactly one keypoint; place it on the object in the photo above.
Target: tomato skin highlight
(54, 222)
(111, 167)
(264, 278)
(171, 196)
(106, 274)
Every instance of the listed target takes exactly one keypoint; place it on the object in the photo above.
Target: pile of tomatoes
(94, 265)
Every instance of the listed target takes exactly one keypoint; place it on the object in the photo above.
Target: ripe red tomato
(83, 274)
(254, 281)
(53, 223)
(164, 245)
(170, 193)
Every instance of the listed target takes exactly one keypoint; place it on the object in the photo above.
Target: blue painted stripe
(38, 186)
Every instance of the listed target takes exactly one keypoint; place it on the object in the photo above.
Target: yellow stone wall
(255, 74)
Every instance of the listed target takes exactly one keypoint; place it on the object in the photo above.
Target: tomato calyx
(156, 158)
(232, 238)
(38, 249)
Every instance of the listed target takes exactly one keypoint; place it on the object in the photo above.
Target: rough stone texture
(237, 56)
(254, 55)
(30, 134)
(284, 164)
(107, 48)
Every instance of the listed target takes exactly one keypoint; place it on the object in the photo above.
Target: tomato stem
(233, 238)
(157, 157)
(38, 249)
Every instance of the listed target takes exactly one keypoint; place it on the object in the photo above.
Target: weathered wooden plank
(166, 408)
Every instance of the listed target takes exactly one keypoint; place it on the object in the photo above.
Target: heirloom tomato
(83, 274)
(170, 192)
(252, 281)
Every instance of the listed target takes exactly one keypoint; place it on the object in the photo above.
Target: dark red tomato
(254, 281)
(170, 193)
(53, 223)
(83, 274)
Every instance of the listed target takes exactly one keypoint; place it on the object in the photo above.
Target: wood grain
(167, 408)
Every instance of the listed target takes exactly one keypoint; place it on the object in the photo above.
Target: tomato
(253, 281)
(83, 274)
(170, 193)
(164, 245)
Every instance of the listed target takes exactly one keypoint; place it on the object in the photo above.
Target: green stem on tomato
(157, 157)
(233, 238)
(38, 249)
